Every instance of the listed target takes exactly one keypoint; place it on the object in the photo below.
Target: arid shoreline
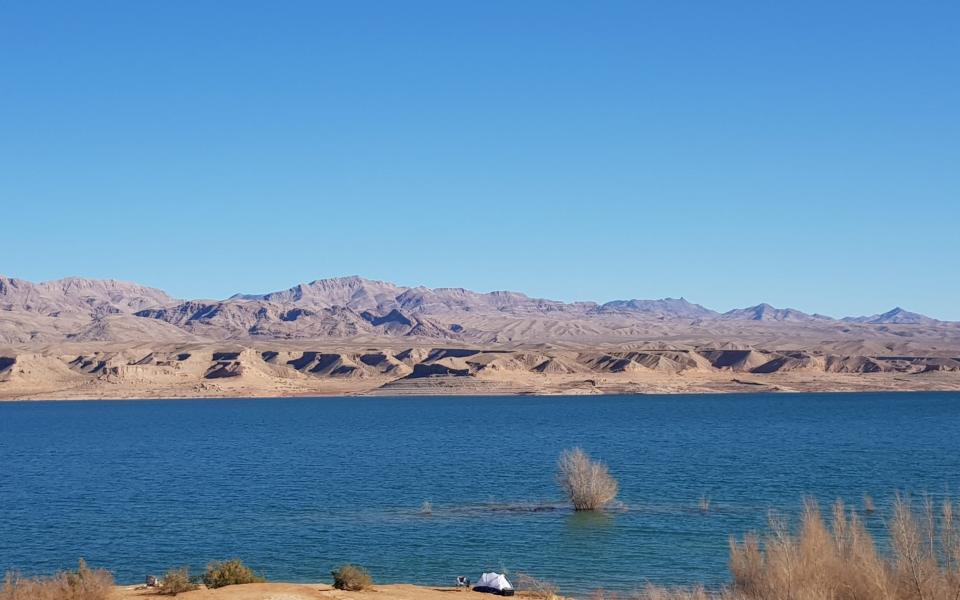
(306, 591)
(286, 369)
(453, 386)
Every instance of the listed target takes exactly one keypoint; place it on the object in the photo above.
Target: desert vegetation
(229, 572)
(177, 581)
(586, 482)
(83, 584)
(351, 578)
(840, 560)
(831, 557)
(533, 587)
(652, 592)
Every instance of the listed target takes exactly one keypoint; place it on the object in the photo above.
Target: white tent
(494, 583)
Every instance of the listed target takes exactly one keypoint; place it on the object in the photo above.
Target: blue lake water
(297, 486)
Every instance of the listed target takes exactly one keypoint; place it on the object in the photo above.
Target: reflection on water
(589, 521)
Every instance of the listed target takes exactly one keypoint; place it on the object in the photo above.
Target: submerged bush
(351, 578)
(586, 482)
(229, 572)
(177, 581)
(83, 584)
(704, 503)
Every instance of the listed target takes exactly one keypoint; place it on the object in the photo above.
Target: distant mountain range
(896, 316)
(97, 296)
(84, 338)
(353, 307)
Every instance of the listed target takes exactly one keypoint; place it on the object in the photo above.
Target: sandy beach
(297, 591)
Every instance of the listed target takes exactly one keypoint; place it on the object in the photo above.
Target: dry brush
(587, 483)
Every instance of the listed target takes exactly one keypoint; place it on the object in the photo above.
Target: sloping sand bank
(292, 591)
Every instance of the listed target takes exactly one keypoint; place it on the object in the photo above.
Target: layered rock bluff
(103, 338)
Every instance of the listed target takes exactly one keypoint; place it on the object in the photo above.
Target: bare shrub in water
(704, 503)
(586, 482)
(230, 572)
(83, 584)
(351, 578)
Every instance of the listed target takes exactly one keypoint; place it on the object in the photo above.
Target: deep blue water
(296, 486)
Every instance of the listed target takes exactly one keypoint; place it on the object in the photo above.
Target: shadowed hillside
(93, 338)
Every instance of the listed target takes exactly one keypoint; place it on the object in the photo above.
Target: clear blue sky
(804, 153)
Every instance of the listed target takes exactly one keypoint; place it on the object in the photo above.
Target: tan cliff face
(95, 338)
(79, 371)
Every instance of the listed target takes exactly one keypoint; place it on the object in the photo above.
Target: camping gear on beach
(463, 583)
(494, 583)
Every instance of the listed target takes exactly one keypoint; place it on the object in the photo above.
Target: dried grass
(652, 592)
(840, 561)
(177, 581)
(230, 572)
(351, 578)
(83, 584)
(533, 587)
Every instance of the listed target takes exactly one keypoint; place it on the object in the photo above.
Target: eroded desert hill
(104, 338)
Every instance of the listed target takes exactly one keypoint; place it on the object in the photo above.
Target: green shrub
(229, 572)
(177, 581)
(351, 578)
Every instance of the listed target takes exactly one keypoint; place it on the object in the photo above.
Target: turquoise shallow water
(296, 486)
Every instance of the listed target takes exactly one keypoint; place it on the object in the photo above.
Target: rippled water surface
(296, 486)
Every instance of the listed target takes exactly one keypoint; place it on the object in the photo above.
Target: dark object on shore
(489, 590)
(463, 582)
(152, 581)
